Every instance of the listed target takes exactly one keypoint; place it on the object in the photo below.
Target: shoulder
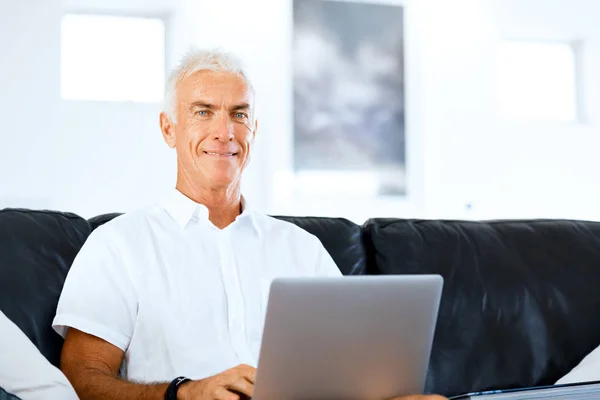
(125, 231)
(131, 222)
(134, 219)
(275, 227)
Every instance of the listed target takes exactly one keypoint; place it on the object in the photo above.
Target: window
(537, 81)
(112, 58)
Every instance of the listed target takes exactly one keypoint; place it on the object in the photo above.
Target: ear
(167, 128)
(255, 129)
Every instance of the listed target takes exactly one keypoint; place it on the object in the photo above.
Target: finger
(251, 375)
(241, 385)
(223, 394)
(248, 372)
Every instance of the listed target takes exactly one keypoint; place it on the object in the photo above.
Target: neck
(224, 204)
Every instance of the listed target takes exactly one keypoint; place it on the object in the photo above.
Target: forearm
(98, 385)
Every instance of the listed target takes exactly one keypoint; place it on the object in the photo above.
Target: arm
(92, 365)
(96, 314)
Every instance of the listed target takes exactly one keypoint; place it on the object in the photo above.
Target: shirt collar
(249, 214)
(183, 209)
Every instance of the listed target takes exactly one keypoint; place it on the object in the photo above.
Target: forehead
(215, 87)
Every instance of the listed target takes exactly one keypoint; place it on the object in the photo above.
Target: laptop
(350, 337)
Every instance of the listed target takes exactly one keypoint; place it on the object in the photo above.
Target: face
(215, 129)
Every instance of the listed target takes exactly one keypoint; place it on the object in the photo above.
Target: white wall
(85, 157)
(118, 159)
(506, 168)
(29, 72)
(459, 150)
(261, 32)
(100, 157)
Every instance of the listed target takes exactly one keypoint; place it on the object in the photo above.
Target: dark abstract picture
(348, 78)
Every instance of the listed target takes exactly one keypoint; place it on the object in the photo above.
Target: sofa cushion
(520, 300)
(36, 252)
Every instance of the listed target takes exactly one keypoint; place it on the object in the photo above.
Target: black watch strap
(174, 387)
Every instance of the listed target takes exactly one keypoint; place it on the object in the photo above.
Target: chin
(222, 181)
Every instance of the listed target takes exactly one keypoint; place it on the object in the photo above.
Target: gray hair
(200, 60)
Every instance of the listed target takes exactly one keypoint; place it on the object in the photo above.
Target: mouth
(220, 154)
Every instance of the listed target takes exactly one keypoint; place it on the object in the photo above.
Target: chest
(202, 268)
(211, 284)
(202, 297)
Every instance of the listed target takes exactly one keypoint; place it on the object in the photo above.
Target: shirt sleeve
(98, 296)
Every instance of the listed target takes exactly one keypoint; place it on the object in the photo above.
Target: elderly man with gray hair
(175, 290)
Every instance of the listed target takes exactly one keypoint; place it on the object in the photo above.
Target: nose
(223, 129)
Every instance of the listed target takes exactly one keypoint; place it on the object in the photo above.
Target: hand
(234, 384)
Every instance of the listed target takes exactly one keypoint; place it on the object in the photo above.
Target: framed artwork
(348, 91)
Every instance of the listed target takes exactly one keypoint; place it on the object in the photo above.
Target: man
(179, 289)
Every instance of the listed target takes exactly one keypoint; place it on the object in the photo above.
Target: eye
(202, 113)
(241, 115)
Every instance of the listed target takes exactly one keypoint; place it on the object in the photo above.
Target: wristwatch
(174, 387)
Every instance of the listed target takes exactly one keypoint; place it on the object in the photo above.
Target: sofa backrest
(519, 307)
(36, 252)
(37, 249)
(521, 299)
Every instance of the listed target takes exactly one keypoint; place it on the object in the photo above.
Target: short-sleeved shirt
(178, 295)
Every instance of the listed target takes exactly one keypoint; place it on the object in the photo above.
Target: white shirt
(25, 372)
(178, 295)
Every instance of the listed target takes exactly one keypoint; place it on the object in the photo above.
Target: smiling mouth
(213, 153)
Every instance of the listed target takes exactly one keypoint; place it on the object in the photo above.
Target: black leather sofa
(519, 307)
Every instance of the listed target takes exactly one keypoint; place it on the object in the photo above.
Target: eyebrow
(203, 104)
